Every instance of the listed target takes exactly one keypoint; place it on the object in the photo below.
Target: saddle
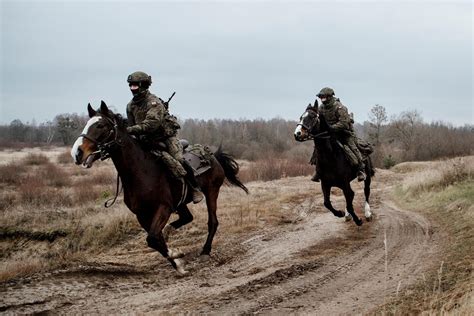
(197, 156)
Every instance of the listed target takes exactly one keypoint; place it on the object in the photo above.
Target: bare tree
(377, 116)
(404, 129)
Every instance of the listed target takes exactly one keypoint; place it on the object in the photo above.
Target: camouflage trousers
(353, 153)
(173, 158)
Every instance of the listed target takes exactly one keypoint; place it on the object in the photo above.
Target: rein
(322, 135)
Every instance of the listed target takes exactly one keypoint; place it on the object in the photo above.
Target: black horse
(336, 170)
(150, 191)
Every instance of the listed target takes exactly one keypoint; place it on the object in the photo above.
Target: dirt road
(310, 263)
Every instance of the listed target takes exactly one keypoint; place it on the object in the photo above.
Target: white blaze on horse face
(79, 140)
(298, 130)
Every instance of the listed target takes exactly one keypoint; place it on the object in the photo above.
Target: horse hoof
(347, 216)
(340, 214)
(369, 218)
(180, 267)
(358, 222)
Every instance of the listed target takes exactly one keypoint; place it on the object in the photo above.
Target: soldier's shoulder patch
(154, 103)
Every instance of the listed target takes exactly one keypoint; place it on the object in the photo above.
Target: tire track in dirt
(316, 263)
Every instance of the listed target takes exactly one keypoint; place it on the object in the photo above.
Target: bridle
(104, 148)
(324, 134)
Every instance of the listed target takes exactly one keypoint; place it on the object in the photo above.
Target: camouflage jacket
(149, 116)
(337, 117)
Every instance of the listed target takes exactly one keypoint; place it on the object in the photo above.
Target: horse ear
(103, 108)
(316, 105)
(91, 111)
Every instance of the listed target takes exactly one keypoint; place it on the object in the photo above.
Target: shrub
(100, 177)
(35, 159)
(388, 162)
(55, 176)
(86, 193)
(34, 191)
(7, 200)
(11, 173)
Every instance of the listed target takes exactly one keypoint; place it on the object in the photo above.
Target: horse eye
(100, 125)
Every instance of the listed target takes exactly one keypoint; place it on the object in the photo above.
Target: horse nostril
(298, 133)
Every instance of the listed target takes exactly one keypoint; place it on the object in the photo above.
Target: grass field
(444, 192)
(52, 217)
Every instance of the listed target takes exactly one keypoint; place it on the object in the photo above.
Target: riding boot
(193, 184)
(361, 166)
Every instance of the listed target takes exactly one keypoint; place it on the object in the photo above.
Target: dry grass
(33, 159)
(65, 157)
(52, 198)
(274, 169)
(11, 173)
(7, 200)
(53, 215)
(444, 191)
(34, 191)
(20, 268)
(55, 176)
(436, 176)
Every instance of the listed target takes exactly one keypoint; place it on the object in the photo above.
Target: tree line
(402, 137)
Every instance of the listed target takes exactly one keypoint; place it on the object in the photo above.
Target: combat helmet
(326, 92)
(139, 77)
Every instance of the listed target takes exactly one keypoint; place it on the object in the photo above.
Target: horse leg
(156, 240)
(349, 195)
(367, 212)
(212, 222)
(327, 200)
(185, 217)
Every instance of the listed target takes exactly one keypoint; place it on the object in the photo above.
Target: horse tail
(231, 168)
(370, 167)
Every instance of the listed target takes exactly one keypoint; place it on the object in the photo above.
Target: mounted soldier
(341, 125)
(149, 120)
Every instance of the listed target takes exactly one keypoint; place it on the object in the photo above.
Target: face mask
(135, 89)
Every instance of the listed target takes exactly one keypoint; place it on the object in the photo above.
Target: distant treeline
(403, 137)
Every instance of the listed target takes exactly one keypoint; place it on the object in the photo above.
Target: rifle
(168, 102)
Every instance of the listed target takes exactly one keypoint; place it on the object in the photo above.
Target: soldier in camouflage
(340, 123)
(148, 118)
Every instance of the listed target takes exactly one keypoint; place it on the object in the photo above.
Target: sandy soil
(310, 263)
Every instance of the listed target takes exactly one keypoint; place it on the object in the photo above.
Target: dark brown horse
(336, 170)
(150, 190)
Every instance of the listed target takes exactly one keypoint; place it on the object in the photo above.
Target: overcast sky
(238, 59)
